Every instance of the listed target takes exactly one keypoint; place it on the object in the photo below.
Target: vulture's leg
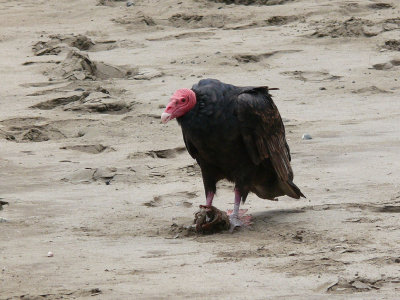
(210, 187)
(234, 217)
(209, 198)
(237, 216)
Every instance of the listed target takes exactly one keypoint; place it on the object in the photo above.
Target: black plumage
(236, 133)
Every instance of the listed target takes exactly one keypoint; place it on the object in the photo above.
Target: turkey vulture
(234, 133)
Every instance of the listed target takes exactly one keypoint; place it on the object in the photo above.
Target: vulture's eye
(183, 100)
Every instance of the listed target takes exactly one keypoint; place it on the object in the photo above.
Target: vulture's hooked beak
(165, 117)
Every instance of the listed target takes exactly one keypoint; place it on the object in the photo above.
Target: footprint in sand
(255, 58)
(90, 175)
(165, 153)
(281, 20)
(387, 65)
(38, 129)
(172, 199)
(139, 20)
(313, 76)
(393, 45)
(252, 2)
(371, 90)
(380, 5)
(200, 21)
(30, 129)
(93, 149)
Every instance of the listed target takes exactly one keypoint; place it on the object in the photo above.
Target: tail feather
(292, 190)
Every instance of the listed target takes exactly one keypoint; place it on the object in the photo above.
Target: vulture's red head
(180, 103)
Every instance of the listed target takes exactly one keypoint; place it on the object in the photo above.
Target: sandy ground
(91, 175)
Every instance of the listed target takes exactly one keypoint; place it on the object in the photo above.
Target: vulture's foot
(235, 222)
(238, 220)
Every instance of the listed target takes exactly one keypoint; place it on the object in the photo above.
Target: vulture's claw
(235, 222)
(240, 220)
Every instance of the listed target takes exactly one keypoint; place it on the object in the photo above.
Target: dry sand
(92, 176)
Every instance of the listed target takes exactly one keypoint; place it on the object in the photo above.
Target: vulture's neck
(199, 115)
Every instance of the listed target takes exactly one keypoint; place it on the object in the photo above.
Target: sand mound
(6, 135)
(253, 2)
(353, 27)
(370, 90)
(95, 101)
(46, 48)
(235, 22)
(281, 20)
(63, 42)
(79, 41)
(139, 19)
(391, 24)
(147, 74)
(198, 21)
(109, 2)
(89, 175)
(76, 87)
(255, 58)
(380, 5)
(53, 103)
(110, 175)
(93, 149)
(349, 286)
(23, 121)
(387, 65)
(185, 35)
(100, 103)
(165, 153)
(251, 58)
(78, 66)
(392, 45)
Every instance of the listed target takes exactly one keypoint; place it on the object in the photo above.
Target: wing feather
(263, 132)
